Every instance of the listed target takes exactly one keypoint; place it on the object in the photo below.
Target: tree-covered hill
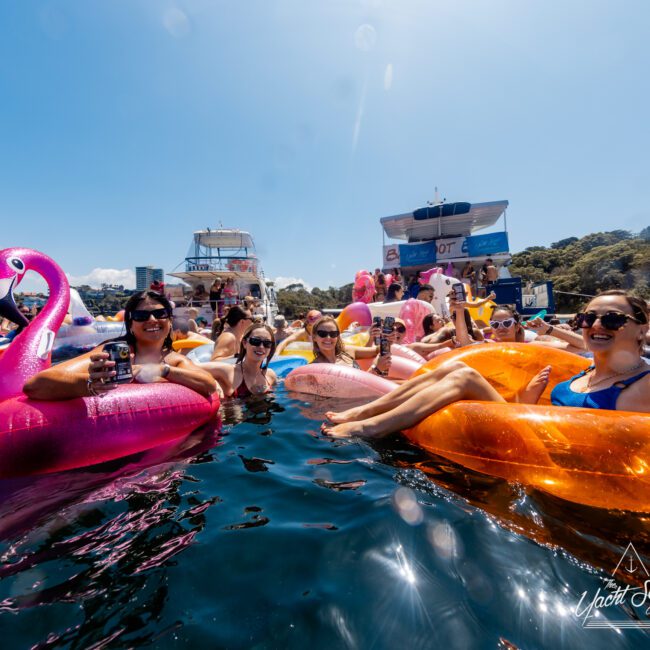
(596, 262)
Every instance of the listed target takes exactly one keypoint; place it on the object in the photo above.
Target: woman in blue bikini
(614, 326)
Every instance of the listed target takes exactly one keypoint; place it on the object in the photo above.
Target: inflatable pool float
(593, 457)
(331, 380)
(84, 333)
(40, 436)
(281, 365)
(188, 344)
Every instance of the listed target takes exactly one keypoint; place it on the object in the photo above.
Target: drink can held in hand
(120, 352)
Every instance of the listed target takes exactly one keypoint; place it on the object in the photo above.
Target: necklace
(591, 384)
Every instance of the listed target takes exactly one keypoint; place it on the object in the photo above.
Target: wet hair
(638, 306)
(392, 290)
(339, 348)
(132, 304)
(247, 334)
(427, 287)
(235, 315)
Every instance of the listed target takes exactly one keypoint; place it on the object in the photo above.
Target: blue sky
(125, 124)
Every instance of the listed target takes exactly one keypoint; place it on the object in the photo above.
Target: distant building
(145, 275)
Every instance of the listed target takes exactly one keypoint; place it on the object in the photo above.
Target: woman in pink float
(147, 316)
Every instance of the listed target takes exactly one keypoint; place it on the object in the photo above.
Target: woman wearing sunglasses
(250, 374)
(614, 326)
(329, 347)
(147, 317)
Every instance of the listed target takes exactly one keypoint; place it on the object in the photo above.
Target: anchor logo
(630, 562)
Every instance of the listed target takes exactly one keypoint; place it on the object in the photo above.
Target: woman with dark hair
(147, 318)
(380, 286)
(395, 292)
(250, 374)
(614, 326)
(431, 324)
(233, 326)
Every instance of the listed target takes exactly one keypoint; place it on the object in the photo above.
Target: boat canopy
(223, 239)
(443, 220)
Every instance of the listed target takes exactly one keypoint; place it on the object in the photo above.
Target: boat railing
(223, 264)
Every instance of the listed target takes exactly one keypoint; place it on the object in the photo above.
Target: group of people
(613, 327)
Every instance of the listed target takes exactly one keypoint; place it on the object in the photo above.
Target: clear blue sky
(126, 124)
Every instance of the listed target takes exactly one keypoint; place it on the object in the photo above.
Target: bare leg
(395, 397)
(463, 383)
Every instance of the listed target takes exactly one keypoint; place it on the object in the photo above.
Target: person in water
(614, 326)
(147, 317)
(234, 325)
(250, 374)
(329, 348)
(303, 334)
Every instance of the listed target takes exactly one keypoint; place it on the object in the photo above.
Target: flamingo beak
(8, 307)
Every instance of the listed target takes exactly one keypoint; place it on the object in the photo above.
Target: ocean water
(261, 533)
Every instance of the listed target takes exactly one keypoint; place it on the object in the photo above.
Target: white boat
(226, 253)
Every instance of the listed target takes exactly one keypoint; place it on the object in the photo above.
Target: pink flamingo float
(39, 436)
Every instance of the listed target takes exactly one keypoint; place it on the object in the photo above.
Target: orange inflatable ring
(593, 457)
(188, 344)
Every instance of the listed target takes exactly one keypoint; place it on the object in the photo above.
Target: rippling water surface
(270, 535)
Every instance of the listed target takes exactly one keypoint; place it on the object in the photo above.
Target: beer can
(120, 352)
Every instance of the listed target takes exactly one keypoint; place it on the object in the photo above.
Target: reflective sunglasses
(325, 333)
(612, 320)
(496, 324)
(400, 328)
(256, 341)
(143, 315)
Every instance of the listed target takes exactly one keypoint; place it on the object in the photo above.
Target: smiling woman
(147, 316)
(250, 374)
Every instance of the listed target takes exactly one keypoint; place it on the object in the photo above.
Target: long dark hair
(247, 334)
(132, 304)
(235, 315)
(392, 290)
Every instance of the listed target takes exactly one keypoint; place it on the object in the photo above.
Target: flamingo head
(12, 271)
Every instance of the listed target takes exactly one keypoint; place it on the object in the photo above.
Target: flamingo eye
(16, 264)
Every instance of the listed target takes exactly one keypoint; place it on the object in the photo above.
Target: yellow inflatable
(593, 457)
(188, 344)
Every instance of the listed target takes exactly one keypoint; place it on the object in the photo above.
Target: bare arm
(224, 346)
(182, 371)
(224, 373)
(292, 338)
(541, 328)
(66, 380)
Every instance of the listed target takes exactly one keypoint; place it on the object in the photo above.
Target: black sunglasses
(400, 328)
(325, 333)
(612, 320)
(143, 315)
(256, 341)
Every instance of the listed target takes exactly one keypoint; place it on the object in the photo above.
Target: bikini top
(244, 391)
(562, 395)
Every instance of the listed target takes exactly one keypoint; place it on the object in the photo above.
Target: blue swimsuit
(562, 395)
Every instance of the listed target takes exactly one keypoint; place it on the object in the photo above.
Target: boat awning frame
(406, 228)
